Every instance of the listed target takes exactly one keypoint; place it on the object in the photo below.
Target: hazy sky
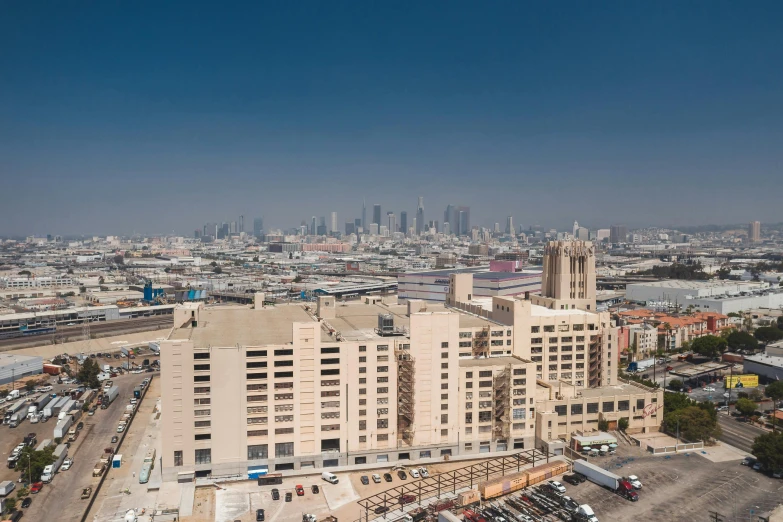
(156, 116)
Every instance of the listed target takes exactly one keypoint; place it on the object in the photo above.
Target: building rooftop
(492, 361)
(543, 311)
(767, 360)
(7, 358)
(608, 391)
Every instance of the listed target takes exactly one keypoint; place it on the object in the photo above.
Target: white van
(329, 477)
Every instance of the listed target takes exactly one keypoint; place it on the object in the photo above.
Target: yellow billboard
(741, 381)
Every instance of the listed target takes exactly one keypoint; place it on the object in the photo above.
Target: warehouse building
(433, 285)
(14, 367)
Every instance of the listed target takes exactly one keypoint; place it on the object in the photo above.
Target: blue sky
(150, 116)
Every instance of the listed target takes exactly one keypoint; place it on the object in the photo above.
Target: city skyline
(468, 107)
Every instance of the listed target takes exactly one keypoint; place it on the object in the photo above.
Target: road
(99, 329)
(738, 434)
(62, 496)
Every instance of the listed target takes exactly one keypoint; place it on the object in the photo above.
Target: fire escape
(405, 409)
(595, 361)
(481, 342)
(502, 411)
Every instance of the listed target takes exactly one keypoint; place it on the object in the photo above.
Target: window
(363, 359)
(201, 389)
(444, 355)
(362, 380)
(444, 396)
(335, 349)
(283, 363)
(623, 405)
(592, 407)
(382, 400)
(258, 433)
(204, 456)
(444, 345)
(256, 398)
(444, 386)
(520, 382)
(639, 404)
(281, 375)
(468, 385)
(382, 437)
(334, 393)
(608, 406)
(362, 425)
(202, 424)
(466, 335)
(202, 402)
(330, 415)
(498, 342)
(284, 396)
(256, 375)
(286, 351)
(444, 418)
(201, 378)
(283, 431)
(330, 427)
(485, 384)
(256, 387)
(329, 383)
(444, 375)
(362, 438)
(284, 449)
(384, 358)
(201, 355)
(385, 347)
(535, 329)
(383, 423)
(284, 418)
(576, 409)
(485, 373)
(469, 418)
(257, 451)
(536, 340)
(362, 348)
(201, 413)
(383, 379)
(203, 436)
(284, 407)
(383, 369)
(549, 328)
(485, 416)
(383, 411)
(382, 390)
(335, 371)
(256, 353)
(362, 369)
(362, 391)
(334, 360)
(256, 364)
(465, 344)
(178, 458)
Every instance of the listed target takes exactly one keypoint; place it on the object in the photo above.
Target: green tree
(709, 345)
(675, 384)
(741, 341)
(298, 279)
(780, 318)
(213, 263)
(768, 449)
(30, 385)
(88, 373)
(118, 260)
(768, 334)
(217, 270)
(775, 391)
(38, 460)
(695, 423)
(603, 424)
(622, 424)
(746, 407)
(10, 503)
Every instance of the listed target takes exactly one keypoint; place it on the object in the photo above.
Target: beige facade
(569, 276)
(562, 410)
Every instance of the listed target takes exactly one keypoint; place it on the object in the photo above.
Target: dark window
(592, 407)
(257, 364)
(284, 449)
(201, 367)
(576, 409)
(256, 353)
(284, 363)
(178, 458)
(201, 378)
(608, 406)
(639, 404)
(485, 373)
(259, 451)
(203, 436)
(201, 355)
(256, 375)
(334, 360)
(561, 410)
(335, 371)
(283, 374)
(623, 405)
(204, 456)
(334, 349)
(285, 351)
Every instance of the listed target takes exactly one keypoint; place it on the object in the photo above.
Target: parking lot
(62, 495)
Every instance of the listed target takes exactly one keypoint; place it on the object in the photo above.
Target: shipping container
(516, 481)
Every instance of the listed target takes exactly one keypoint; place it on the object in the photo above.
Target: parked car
(387, 477)
(114, 439)
(557, 486)
(260, 515)
(757, 466)
(315, 489)
(635, 482)
(299, 490)
(86, 492)
(424, 472)
(670, 368)
(723, 408)
(275, 494)
(80, 426)
(402, 475)
(407, 499)
(748, 461)
(288, 496)
(26, 502)
(415, 473)
(381, 509)
(376, 478)
(365, 480)
(579, 476)
(36, 487)
(67, 463)
(571, 479)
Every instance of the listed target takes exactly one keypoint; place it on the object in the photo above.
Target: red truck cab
(625, 489)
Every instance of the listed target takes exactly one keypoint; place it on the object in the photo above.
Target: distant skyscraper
(497, 228)
(313, 226)
(350, 227)
(258, 227)
(392, 222)
(334, 223)
(374, 229)
(363, 223)
(376, 215)
(357, 224)
(420, 215)
(464, 220)
(404, 222)
(510, 225)
(446, 229)
(458, 219)
(754, 231)
(234, 227)
(618, 234)
(576, 228)
(582, 234)
(241, 224)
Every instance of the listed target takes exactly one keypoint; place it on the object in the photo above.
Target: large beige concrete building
(321, 385)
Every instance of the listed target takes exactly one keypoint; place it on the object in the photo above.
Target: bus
(146, 471)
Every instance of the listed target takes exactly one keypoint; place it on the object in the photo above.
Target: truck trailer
(60, 452)
(65, 409)
(14, 408)
(38, 405)
(637, 366)
(53, 408)
(61, 430)
(606, 479)
(109, 396)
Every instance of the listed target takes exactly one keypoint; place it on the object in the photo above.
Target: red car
(36, 487)
(407, 499)
(299, 490)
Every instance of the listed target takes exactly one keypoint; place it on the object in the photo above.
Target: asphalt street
(738, 433)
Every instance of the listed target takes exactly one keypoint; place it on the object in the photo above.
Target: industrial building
(433, 285)
(29, 321)
(722, 297)
(14, 367)
(327, 384)
(769, 365)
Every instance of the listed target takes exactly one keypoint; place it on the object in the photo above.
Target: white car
(635, 482)
(120, 428)
(726, 394)
(558, 487)
(376, 478)
(709, 389)
(67, 463)
(414, 473)
(424, 472)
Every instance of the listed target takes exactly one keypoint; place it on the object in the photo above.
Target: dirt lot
(682, 487)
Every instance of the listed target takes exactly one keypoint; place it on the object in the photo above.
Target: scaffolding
(481, 342)
(595, 361)
(405, 406)
(502, 415)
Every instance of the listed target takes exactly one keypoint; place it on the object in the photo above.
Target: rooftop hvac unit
(385, 324)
